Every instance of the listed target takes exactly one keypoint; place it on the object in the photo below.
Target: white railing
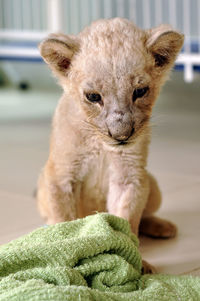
(27, 20)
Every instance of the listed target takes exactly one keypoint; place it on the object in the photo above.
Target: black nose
(121, 138)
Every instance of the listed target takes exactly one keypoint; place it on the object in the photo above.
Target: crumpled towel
(94, 258)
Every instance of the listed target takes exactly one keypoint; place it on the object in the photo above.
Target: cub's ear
(164, 44)
(58, 51)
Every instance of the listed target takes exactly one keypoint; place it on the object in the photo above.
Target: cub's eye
(139, 93)
(94, 97)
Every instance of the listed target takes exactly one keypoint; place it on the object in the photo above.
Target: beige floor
(174, 160)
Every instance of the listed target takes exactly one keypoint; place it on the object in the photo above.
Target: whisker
(102, 135)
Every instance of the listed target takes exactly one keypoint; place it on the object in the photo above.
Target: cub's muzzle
(120, 125)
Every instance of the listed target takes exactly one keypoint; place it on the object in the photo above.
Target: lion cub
(111, 74)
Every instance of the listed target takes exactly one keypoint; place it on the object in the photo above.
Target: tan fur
(88, 168)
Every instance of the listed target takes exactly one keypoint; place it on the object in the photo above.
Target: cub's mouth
(122, 139)
(122, 142)
(135, 133)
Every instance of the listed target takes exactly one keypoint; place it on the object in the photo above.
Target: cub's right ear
(58, 51)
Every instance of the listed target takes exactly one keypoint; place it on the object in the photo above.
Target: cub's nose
(121, 138)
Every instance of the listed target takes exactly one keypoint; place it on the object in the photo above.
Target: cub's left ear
(164, 44)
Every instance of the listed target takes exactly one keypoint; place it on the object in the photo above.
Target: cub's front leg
(128, 190)
(55, 194)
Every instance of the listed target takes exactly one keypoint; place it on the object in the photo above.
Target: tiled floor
(174, 160)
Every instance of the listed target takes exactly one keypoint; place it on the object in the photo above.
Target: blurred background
(29, 94)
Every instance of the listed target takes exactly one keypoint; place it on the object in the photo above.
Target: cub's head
(113, 71)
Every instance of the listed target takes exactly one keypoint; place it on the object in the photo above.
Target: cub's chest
(97, 176)
(91, 192)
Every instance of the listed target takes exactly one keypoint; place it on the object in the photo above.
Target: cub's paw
(157, 228)
(147, 268)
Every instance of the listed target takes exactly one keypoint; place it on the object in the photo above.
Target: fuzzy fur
(88, 168)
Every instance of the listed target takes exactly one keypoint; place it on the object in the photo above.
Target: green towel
(94, 258)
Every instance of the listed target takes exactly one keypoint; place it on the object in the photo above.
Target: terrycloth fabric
(95, 258)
